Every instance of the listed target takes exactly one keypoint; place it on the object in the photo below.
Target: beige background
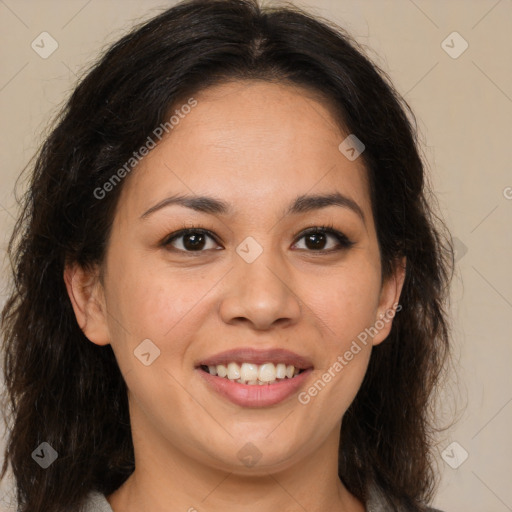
(464, 107)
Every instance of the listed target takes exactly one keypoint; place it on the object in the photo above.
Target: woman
(229, 286)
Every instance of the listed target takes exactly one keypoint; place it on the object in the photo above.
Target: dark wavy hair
(68, 392)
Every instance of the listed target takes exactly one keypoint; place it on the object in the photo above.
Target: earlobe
(87, 298)
(389, 301)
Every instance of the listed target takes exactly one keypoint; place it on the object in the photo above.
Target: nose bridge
(260, 290)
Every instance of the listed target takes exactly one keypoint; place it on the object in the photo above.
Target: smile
(250, 377)
(254, 374)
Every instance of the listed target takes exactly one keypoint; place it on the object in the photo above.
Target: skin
(256, 146)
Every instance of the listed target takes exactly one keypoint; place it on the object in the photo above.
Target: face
(267, 281)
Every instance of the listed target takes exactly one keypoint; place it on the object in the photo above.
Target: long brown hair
(68, 392)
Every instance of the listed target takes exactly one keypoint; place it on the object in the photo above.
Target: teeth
(280, 371)
(233, 371)
(253, 374)
(267, 373)
(248, 372)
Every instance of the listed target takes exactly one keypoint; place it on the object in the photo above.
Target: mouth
(254, 374)
(255, 378)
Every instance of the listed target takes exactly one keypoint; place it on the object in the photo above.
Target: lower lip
(256, 395)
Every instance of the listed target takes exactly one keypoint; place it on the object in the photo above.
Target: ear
(87, 297)
(389, 301)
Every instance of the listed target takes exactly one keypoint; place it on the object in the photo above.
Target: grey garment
(96, 502)
(376, 503)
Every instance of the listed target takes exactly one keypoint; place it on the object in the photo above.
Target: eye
(190, 240)
(317, 238)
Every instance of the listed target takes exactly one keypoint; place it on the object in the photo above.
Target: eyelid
(186, 231)
(343, 241)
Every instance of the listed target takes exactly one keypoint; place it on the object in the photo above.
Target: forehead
(251, 143)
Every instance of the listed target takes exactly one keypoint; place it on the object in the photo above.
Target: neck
(166, 479)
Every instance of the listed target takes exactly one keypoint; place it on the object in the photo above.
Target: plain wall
(464, 109)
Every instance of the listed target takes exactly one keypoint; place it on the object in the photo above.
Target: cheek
(145, 302)
(338, 380)
(155, 304)
(346, 303)
(152, 298)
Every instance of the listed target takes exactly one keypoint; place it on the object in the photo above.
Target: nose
(260, 294)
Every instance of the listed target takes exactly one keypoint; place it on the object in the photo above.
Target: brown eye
(190, 240)
(317, 239)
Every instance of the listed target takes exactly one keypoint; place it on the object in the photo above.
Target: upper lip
(257, 356)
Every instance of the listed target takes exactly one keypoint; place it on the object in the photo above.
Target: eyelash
(343, 241)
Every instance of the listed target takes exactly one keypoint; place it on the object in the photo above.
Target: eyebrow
(302, 204)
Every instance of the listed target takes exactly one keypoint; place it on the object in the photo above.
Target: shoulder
(96, 502)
